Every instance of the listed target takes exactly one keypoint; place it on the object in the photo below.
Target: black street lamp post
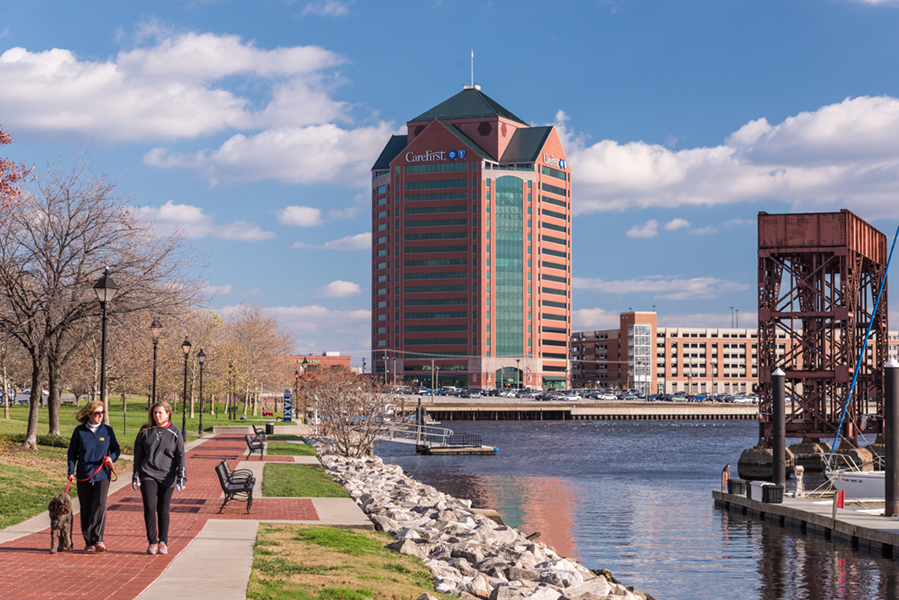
(185, 346)
(155, 331)
(230, 391)
(304, 364)
(201, 358)
(106, 289)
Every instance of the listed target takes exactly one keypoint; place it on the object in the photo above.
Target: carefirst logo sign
(430, 156)
(555, 162)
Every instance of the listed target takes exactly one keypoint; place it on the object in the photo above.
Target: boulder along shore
(468, 554)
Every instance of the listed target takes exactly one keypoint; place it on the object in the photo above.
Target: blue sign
(288, 405)
(563, 164)
(452, 155)
(461, 154)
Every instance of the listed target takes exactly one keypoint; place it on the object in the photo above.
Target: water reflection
(635, 497)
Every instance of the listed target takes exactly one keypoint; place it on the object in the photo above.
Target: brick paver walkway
(28, 571)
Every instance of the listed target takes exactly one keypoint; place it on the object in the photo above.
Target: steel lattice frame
(820, 295)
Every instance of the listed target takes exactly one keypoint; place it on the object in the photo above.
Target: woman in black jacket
(92, 451)
(159, 468)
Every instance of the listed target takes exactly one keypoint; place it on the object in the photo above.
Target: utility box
(773, 494)
(737, 487)
(766, 492)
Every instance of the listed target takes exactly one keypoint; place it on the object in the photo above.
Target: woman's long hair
(85, 413)
(151, 422)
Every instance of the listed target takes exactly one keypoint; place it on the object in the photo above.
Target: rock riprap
(468, 554)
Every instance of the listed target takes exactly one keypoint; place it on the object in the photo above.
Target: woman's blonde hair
(151, 422)
(85, 413)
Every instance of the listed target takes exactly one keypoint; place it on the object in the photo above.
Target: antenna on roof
(472, 86)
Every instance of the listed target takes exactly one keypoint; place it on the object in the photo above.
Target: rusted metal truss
(818, 278)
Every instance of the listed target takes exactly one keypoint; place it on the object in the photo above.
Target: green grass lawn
(322, 563)
(30, 479)
(299, 481)
(282, 437)
(289, 449)
(124, 424)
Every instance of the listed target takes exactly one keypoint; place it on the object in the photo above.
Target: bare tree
(256, 344)
(54, 243)
(353, 408)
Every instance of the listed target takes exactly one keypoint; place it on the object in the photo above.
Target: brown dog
(60, 509)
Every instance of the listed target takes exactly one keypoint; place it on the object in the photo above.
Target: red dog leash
(112, 474)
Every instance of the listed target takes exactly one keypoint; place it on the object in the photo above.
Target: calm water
(635, 497)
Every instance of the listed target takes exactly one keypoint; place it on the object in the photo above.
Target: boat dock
(860, 524)
(436, 441)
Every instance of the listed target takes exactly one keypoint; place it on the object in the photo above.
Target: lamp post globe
(185, 346)
(105, 289)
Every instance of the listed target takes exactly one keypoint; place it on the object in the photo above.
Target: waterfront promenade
(209, 553)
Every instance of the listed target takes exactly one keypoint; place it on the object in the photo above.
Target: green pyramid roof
(468, 104)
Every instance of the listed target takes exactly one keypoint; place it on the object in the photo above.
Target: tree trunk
(30, 442)
(54, 400)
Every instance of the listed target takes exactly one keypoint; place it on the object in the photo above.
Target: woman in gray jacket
(159, 468)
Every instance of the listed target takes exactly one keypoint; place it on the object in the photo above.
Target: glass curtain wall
(508, 268)
(639, 358)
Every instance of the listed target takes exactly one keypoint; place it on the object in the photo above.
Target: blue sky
(253, 126)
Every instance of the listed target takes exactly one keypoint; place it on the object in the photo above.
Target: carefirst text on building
(471, 249)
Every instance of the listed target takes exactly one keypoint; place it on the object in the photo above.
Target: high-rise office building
(471, 250)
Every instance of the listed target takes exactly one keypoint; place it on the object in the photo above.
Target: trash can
(737, 487)
(773, 494)
(269, 429)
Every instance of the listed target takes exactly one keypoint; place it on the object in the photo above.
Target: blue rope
(858, 365)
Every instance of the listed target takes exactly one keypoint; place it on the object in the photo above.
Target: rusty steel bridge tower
(818, 278)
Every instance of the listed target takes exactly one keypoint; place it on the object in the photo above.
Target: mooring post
(891, 424)
(778, 377)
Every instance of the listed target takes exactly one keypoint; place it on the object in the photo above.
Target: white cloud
(215, 290)
(675, 224)
(663, 287)
(327, 8)
(5, 32)
(318, 328)
(360, 241)
(739, 223)
(300, 155)
(647, 230)
(838, 155)
(171, 90)
(341, 289)
(197, 224)
(594, 318)
(704, 230)
(303, 216)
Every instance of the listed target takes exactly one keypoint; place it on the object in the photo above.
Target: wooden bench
(233, 488)
(255, 444)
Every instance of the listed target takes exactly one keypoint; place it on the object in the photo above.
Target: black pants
(92, 497)
(157, 500)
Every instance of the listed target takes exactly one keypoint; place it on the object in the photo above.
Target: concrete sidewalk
(210, 554)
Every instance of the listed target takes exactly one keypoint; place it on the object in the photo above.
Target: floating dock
(860, 524)
(457, 450)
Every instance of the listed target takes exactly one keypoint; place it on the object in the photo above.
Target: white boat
(859, 484)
